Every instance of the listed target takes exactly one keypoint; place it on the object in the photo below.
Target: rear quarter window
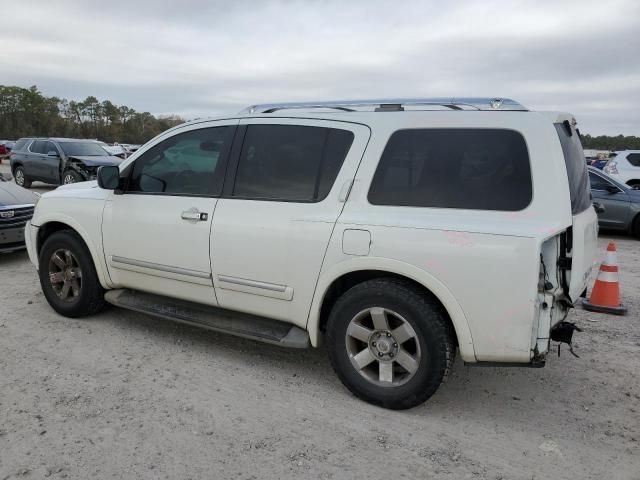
(634, 159)
(21, 144)
(478, 169)
(576, 167)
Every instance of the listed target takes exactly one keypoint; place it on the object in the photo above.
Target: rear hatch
(582, 239)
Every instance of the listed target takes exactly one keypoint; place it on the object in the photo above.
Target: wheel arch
(338, 279)
(51, 226)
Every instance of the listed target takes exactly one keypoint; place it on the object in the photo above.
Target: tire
(635, 227)
(69, 177)
(84, 294)
(21, 178)
(432, 348)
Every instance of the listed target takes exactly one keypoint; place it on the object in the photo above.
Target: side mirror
(612, 189)
(598, 207)
(108, 177)
(52, 153)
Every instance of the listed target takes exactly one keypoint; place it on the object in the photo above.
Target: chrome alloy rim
(383, 347)
(68, 178)
(65, 275)
(19, 177)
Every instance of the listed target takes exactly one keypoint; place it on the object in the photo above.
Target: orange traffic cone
(605, 296)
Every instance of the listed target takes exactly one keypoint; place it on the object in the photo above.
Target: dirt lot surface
(124, 395)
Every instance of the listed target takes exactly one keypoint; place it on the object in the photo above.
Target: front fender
(94, 245)
(423, 277)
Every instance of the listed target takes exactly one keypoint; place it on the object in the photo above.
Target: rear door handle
(194, 214)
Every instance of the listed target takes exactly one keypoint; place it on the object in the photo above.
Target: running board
(218, 319)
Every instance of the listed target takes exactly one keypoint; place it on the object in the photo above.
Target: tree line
(27, 112)
(605, 142)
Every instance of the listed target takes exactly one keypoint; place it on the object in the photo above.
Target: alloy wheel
(65, 275)
(20, 177)
(383, 347)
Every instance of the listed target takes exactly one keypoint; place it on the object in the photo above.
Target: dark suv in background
(58, 161)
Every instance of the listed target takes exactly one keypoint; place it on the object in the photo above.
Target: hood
(76, 186)
(12, 194)
(96, 161)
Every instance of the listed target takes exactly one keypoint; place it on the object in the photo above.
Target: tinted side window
(634, 159)
(290, 162)
(190, 163)
(50, 147)
(38, 146)
(480, 169)
(597, 182)
(576, 167)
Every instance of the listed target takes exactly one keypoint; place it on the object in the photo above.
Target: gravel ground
(124, 395)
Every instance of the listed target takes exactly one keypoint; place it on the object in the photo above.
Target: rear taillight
(610, 168)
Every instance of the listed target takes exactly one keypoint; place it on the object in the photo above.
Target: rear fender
(396, 267)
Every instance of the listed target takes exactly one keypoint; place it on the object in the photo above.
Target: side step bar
(225, 321)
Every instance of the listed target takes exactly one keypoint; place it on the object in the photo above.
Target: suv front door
(157, 232)
(286, 186)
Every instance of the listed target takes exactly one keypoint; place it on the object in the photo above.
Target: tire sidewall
(90, 284)
(76, 177)
(429, 327)
(25, 181)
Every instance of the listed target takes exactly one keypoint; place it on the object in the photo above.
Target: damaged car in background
(58, 161)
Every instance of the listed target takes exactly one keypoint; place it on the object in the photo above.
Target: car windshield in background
(83, 149)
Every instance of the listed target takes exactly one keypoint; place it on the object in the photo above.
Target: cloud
(201, 57)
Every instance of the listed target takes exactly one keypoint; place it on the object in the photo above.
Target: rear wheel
(389, 343)
(21, 178)
(68, 276)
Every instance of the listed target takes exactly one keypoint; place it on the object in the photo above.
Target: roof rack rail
(396, 104)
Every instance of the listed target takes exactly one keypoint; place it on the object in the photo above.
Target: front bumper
(11, 239)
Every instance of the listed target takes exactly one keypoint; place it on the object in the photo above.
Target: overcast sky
(204, 57)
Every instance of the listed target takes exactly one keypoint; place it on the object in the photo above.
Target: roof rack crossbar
(477, 103)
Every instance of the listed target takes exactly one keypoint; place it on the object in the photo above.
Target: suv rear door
(287, 183)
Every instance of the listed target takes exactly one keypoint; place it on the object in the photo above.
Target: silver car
(621, 203)
(16, 209)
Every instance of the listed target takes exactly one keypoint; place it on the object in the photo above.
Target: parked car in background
(625, 167)
(6, 146)
(621, 203)
(58, 160)
(16, 209)
(115, 150)
(396, 237)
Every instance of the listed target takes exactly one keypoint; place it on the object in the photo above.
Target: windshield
(86, 149)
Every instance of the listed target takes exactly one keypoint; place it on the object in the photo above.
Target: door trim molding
(255, 287)
(156, 266)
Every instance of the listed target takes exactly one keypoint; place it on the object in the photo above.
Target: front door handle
(194, 214)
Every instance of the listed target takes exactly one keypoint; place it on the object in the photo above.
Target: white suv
(625, 167)
(396, 230)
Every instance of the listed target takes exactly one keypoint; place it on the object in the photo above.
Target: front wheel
(70, 177)
(68, 276)
(389, 343)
